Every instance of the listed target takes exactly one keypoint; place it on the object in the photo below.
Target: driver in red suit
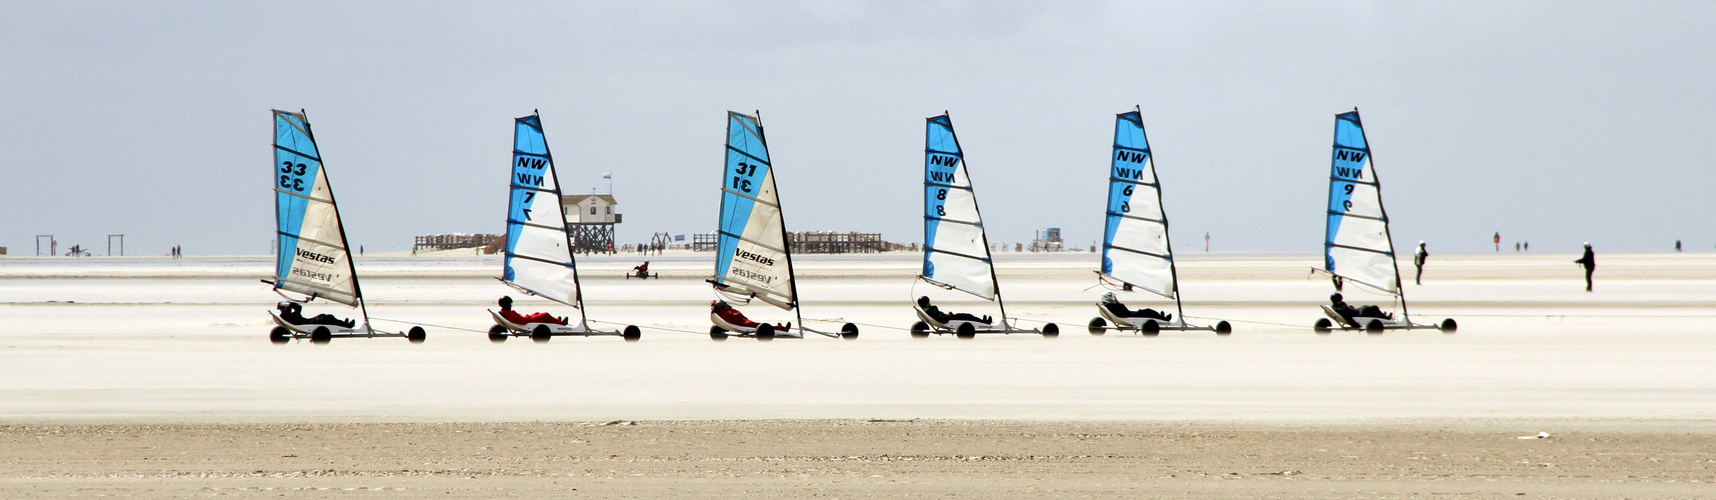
(520, 319)
(734, 317)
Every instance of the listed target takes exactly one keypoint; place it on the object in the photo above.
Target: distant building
(590, 219)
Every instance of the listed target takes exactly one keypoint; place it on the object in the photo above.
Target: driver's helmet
(1108, 298)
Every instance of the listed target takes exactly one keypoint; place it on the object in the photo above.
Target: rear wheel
(1098, 326)
(417, 335)
(1223, 328)
(1374, 327)
(1150, 328)
(1051, 330)
(321, 335)
(966, 331)
(765, 332)
(920, 330)
(279, 335)
(1322, 326)
(1448, 326)
(717, 333)
(541, 334)
(631, 333)
(498, 334)
(849, 331)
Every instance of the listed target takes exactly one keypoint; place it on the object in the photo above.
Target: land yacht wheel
(920, 330)
(966, 331)
(1448, 326)
(416, 335)
(1098, 326)
(1150, 328)
(1374, 327)
(1051, 330)
(849, 331)
(765, 332)
(541, 334)
(1223, 328)
(1322, 326)
(321, 335)
(717, 333)
(279, 335)
(498, 334)
(631, 333)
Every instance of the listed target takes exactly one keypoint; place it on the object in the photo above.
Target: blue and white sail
(751, 255)
(1356, 245)
(538, 251)
(956, 251)
(313, 258)
(1135, 247)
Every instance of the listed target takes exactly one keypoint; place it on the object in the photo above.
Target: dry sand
(152, 378)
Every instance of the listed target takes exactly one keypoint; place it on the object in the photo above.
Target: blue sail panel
(538, 251)
(1135, 235)
(312, 256)
(751, 254)
(1356, 242)
(956, 251)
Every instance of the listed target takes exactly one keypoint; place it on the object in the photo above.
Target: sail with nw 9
(956, 251)
(538, 253)
(312, 257)
(751, 253)
(1135, 241)
(1356, 244)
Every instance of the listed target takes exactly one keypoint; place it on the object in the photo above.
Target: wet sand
(152, 378)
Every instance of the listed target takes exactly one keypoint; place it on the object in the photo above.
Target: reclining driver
(734, 317)
(941, 317)
(1348, 312)
(520, 319)
(293, 313)
(1119, 310)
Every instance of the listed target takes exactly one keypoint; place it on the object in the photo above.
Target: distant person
(520, 319)
(1418, 261)
(293, 313)
(1589, 260)
(1516, 247)
(1528, 247)
(941, 317)
(1348, 312)
(734, 317)
(1498, 242)
(1119, 310)
(1677, 245)
(642, 270)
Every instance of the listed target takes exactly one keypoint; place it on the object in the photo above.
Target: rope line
(414, 323)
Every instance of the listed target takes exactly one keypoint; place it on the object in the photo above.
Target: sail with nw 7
(313, 258)
(751, 254)
(1135, 246)
(538, 253)
(1356, 245)
(956, 251)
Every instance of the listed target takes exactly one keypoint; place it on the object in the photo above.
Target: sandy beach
(149, 377)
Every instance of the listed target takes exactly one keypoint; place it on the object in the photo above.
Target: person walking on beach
(1418, 261)
(1589, 260)
(1498, 242)
(1677, 245)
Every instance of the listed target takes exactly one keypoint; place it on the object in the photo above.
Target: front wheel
(920, 330)
(417, 335)
(279, 335)
(1223, 328)
(849, 331)
(541, 334)
(1098, 326)
(498, 334)
(1051, 330)
(1322, 326)
(1448, 326)
(631, 333)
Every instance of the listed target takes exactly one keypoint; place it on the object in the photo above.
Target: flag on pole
(607, 175)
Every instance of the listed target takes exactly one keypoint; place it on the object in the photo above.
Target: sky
(1550, 122)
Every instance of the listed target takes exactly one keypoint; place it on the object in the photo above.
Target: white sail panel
(1135, 247)
(751, 252)
(313, 258)
(956, 250)
(538, 253)
(1356, 243)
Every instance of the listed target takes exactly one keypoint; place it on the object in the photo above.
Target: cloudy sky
(1554, 122)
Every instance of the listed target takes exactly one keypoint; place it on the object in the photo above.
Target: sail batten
(312, 256)
(751, 247)
(1135, 245)
(951, 251)
(1356, 243)
(538, 250)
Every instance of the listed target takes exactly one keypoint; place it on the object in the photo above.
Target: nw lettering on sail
(1353, 172)
(525, 178)
(1132, 174)
(1130, 156)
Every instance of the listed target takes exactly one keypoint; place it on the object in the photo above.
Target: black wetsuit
(320, 319)
(1590, 263)
(1368, 311)
(1120, 310)
(935, 313)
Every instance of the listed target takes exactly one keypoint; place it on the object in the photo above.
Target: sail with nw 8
(956, 252)
(538, 253)
(751, 253)
(1135, 246)
(313, 258)
(1357, 245)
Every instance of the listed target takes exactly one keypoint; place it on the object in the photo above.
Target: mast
(1400, 291)
(786, 240)
(1167, 233)
(571, 256)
